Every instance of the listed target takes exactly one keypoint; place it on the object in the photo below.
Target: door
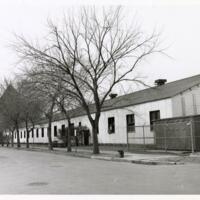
(86, 137)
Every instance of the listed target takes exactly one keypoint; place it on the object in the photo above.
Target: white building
(124, 115)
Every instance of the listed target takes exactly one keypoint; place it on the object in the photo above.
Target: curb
(100, 157)
(147, 162)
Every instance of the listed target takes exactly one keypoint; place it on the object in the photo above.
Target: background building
(129, 117)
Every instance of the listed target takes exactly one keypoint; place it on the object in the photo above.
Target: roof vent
(112, 95)
(160, 82)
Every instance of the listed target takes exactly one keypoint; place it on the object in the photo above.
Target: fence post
(192, 136)
(165, 137)
(143, 137)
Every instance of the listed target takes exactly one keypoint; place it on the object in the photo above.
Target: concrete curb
(143, 162)
(150, 162)
(101, 157)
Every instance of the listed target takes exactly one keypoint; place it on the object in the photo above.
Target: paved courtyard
(27, 172)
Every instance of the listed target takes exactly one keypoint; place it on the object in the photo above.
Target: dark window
(55, 131)
(72, 129)
(37, 133)
(24, 134)
(21, 134)
(63, 130)
(15, 135)
(111, 125)
(79, 124)
(42, 132)
(130, 122)
(154, 115)
(32, 133)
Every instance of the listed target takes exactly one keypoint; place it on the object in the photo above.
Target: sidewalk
(108, 155)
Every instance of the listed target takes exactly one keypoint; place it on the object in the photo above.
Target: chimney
(112, 95)
(160, 82)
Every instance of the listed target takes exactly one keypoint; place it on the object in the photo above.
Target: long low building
(128, 117)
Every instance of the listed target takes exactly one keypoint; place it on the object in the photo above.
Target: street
(27, 172)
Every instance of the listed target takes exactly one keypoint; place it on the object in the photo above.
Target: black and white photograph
(99, 98)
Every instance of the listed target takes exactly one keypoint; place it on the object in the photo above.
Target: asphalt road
(26, 172)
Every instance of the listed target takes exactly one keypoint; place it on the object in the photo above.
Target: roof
(165, 91)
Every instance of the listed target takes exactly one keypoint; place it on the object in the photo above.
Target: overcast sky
(179, 23)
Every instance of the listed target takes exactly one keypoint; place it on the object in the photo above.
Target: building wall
(140, 111)
(187, 103)
(41, 139)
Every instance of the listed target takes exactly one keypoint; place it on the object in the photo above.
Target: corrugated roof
(143, 96)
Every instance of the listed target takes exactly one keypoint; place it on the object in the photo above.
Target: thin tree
(94, 53)
(46, 95)
(58, 91)
(32, 108)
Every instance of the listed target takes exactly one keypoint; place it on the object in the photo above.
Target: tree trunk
(12, 138)
(27, 139)
(68, 137)
(18, 139)
(50, 145)
(69, 149)
(95, 124)
(27, 136)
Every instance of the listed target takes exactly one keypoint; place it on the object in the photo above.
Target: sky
(179, 23)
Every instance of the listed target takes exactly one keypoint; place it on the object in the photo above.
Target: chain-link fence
(165, 135)
(141, 138)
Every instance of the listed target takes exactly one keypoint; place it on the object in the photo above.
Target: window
(42, 132)
(15, 135)
(32, 133)
(130, 123)
(111, 125)
(21, 134)
(154, 115)
(55, 131)
(24, 134)
(72, 129)
(63, 130)
(37, 133)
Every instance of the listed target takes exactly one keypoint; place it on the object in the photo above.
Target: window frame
(151, 120)
(130, 126)
(111, 123)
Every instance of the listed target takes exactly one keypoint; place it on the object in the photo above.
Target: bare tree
(45, 92)
(32, 107)
(57, 93)
(94, 53)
